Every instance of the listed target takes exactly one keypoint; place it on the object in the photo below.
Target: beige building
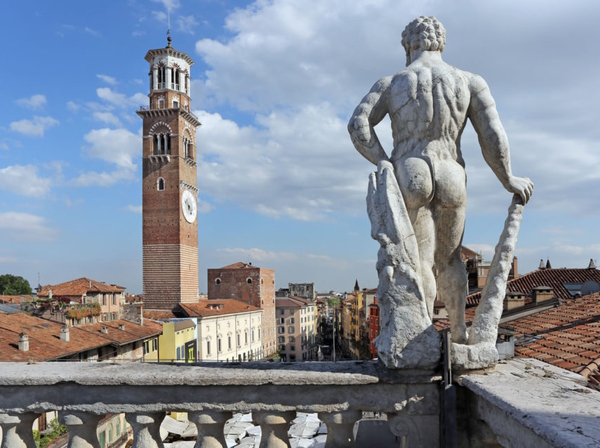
(296, 328)
(228, 330)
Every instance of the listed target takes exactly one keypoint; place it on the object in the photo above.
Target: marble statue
(417, 197)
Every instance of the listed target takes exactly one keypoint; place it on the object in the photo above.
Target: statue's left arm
(367, 114)
(492, 138)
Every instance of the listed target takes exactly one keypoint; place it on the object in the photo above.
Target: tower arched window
(160, 184)
(161, 143)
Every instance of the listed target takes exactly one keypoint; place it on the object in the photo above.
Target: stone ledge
(550, 405)
(209, 374)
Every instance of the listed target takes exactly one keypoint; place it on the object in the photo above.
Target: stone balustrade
(83, 393)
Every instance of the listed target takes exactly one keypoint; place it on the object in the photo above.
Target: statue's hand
(360, 130)
(521, 186)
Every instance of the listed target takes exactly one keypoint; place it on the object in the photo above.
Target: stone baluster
(274, 426)
(82, 428)
(340, 427)
(404, 429)
(146, 429)
(16, 430)
(210, 426)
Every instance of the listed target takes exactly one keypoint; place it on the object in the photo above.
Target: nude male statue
(428, 103)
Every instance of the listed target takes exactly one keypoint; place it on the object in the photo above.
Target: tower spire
(169, 29)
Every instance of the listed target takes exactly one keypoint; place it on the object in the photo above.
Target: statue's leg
(452, 275)
(424, 229)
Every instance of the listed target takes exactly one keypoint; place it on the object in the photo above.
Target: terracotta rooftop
(159, 314)
(16, 299)
(554, 278)
(45, 343)
(240, 265)
(217, 307)
(567, 336)
(292, 302)
(79, 287)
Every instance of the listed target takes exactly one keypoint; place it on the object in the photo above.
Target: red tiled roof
(292, 302)
(158, 314)
(567, 336)
(240, 265)
(16, 299)
(216, 307)
(78, 287)
(554, 278)
(44, 337)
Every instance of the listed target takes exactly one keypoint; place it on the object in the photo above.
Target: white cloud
(170, 5)
(187, 24)
(92, 32)
(257, 254)
(34, 128)
(25, 227)
(108, 79)
(121, 100)
(9, 260)
(116, 146)
(134, 208)
(24, 180)
(33, 102)
(107, 117)
(73, 107)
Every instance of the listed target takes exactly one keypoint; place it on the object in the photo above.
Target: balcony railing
(541, 405)
(83, 393)
(147, 108)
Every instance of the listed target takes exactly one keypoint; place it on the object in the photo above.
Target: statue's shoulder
(476, 82)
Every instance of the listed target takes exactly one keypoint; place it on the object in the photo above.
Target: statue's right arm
(366, 116)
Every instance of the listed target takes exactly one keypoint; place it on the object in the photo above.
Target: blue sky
(274, 85)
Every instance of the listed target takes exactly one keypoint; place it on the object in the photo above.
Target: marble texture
(429, 103)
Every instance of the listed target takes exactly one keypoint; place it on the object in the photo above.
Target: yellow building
(296, 328)
(178, 342)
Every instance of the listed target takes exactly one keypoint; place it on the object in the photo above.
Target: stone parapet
(273, 392)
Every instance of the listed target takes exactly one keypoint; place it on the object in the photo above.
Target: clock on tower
(170, 225)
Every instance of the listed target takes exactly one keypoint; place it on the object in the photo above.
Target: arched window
(160, 184)
(218, 281)
(249, 281)
(161, 143)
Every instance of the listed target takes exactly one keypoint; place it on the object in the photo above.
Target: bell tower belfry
(170, 225)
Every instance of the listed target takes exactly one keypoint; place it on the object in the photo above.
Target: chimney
(515, 267)
(50, 294)
(23, 342)
(64, 334)
(90, 283)
(542, 265)
(104, 329)
(548, 265)
(592, 265)
(122, 327)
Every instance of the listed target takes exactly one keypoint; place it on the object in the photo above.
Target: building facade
(296, 329)
(170, 226)
(252, 285)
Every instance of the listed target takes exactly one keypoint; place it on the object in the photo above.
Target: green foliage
(85, 311)
(56, 430)
(333, 301)
(12, 285)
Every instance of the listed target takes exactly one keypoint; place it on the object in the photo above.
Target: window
(208, 348)
(229, 342)
(249, 281)
(238, 341)
(281, 330)
(282, 320)
(281, 339)
(293, 348)
(290, 329)
(146, 348)
(292, 320)
(259, 334)
(103, 299)
(160, 184)
(154, 344)
(218, 281)
(245, 337)
(175, 104)
(114, 299)
(178, 354)
(282, 312)
(219, 345)
(252, 335)
(282, 348)
(292, 339)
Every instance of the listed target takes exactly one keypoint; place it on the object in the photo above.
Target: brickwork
(250, 284)
(170, 242)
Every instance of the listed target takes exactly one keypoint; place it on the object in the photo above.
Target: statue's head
(425, 33)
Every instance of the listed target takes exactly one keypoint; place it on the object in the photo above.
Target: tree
(12, 285)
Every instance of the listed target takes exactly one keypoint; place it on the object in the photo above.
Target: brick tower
(170, 225)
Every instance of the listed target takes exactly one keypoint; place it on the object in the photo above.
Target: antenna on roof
(168, 28)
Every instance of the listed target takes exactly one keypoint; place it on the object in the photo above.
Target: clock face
(188, 206)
